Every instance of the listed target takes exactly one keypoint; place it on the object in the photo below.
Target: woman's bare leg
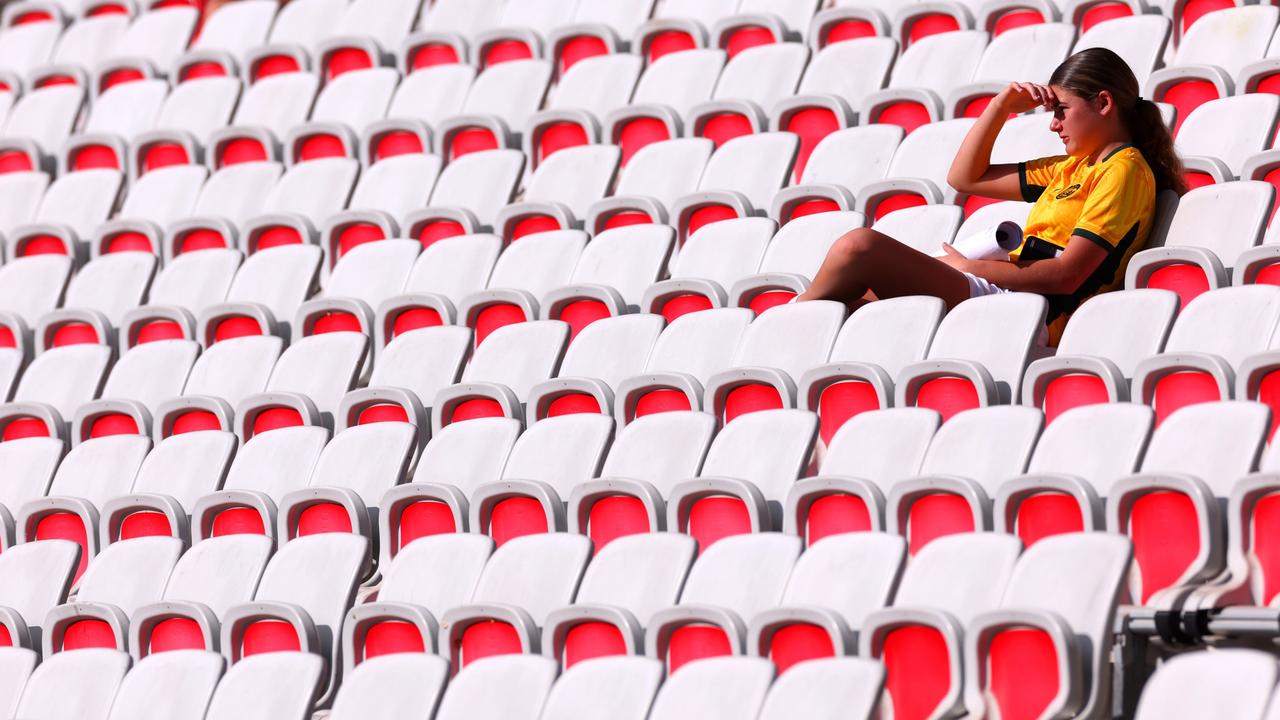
(865, 264)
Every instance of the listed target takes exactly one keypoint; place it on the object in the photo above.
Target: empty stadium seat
(264, 296)
(342, 110)
(1235, 681)
(1100, 350)
(1208, 344)
(560, 192)
(647, 459)
(172, 685)
(229, 198)
(521, 584)
(920, 639)
(625, 584)
(862, 461)
(366, 276)
(1072, 470)
(730, 582)
(667, 91)
(275, 686)
(189, 116)
(447, 271)
(80, 683)
(121, 578)
(752, 82)
(42, 575)
(224, 39)
(830, 181)
(960, 473)
(467, 197)
(822, 607)
(498, 107)
(424, 99)
(924, 76)
(209, 578)
(1218, 137)
(299, 605)
(391, 687)
(649, 185)
(507, 687)
(523, 276)
(582, 98)
(385, 194)
(265, 114)
(749, 469)
(621, 687)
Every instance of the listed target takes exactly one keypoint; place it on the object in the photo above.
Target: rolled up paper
(993, 243)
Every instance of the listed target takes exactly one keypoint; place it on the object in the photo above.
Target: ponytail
(1151, 136)
(1089, 72)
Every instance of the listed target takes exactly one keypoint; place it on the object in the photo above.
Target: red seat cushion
(433, 54)
(812, 125)
(113, 424)
(238, 521)
(850, 30)
(662, 400)
(627, 219)
(748, 37)
(414, 319)
(472, 140)
(176, 634)
(323, 518)
(74, 333)
(1188, 281)
(1016, 19)
(724, 127)
(937, 515)
(357, 234)
(424, 518)
(1178, 390)
(236, 326)
(580, 48)
(195, 421)
(917, 671)
(516, 517)
(487, 639)
(898, 201)
(841, 401)
(932, 24)
(799, 642)
(750, 398)
(275, 418)
(92, 157)
(1165, 530)
(714, 518)
(1196, 9)
(6, 337)
(907, 115)
(276, 236)
(581, 313)
(1104, 12)
(837, 514)
(592, 640)
(1188, 95)
(1024, 673)
(695, 642)
(708, 214)
(812, 207)
(336, 322)
(683, 305)
(573, 404)
(437, 230)
(242, 150)
(1264, 542)
(201, 239)
(129, 242)
(383, 412)
(42, 245)
(475, 409)
(392, 637)
(947, 395)
(120, 77)
(196, 71)
(15, 161)
(1269, 395)
(614, 517)
(88, 634)
(397, 142)
(275, 65)
(266, 636)
(145, 524)
(533, 224)
(347, 59)
(771, 299)
(636, 134)
(24, 427)
(1047, 514)
(65, 526)
(320, 146)
(561, 135)
(1072, 391)
(506, 51)
(665, 43)
(496, 316)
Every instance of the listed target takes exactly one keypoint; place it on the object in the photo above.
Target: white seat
(79, 684)
(169, 685)
(271, 686)
(1236, 682)
(715, 689)
(499, 688)
(392, 687)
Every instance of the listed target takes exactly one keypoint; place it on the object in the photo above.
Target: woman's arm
(972, 171)
(1062, 275)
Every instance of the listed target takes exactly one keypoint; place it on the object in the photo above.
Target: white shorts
(979, 287)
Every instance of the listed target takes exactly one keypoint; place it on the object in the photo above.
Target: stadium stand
(434, 358)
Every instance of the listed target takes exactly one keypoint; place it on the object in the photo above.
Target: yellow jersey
(1110, 203)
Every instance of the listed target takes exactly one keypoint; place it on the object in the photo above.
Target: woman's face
(1078, 122)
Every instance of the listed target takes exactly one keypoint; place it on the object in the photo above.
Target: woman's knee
(854, 245)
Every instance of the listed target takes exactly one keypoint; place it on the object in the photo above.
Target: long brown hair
(1091, 71)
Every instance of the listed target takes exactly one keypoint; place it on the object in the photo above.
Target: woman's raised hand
(1019, 97)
